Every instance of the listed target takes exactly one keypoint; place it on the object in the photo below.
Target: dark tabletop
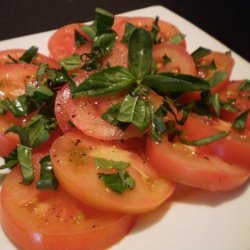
(228, 21)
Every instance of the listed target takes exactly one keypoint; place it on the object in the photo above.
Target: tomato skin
(233, 149)
(167, 30)
(51, 220)
(72, 158)
(62, 42)
(17, 53)
(181, 61)
(180, 164)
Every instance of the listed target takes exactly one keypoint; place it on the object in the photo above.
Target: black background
(226, 20)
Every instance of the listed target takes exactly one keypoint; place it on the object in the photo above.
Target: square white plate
(192, 219)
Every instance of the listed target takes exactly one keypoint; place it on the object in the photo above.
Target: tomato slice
(240, 100)
(224, 63)
(233, 149)
(181, 61)
(17, 53)
(118, 56)
(179, 163)
(72, 157)
(167, 30)
(62, 42)
(51, 220)
(14, 77)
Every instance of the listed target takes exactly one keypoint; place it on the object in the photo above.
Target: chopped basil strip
(79, 39)
(245, 85)
(211, 65)
(163, 83)
(47, 179)
(110, 164)
(29, 54)
(71, 62)
(104, 42)
(229, 105)
(118, 182)
(241, 120)
(155, 30)
(206, 140)
(25, 161)
(166, 59)
(218, 77)
(35, 132)
(10, 160)
(140, 53)
(2, 108)
(41, 71)
(104, 19)
(177, 38)
(90, 29)
(107, 81)
(129, 28)
(200, 52)
(135, 110)
(214, 101)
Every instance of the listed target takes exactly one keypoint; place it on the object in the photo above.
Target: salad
(128, 98)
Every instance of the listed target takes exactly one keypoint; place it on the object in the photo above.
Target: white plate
(192, 219)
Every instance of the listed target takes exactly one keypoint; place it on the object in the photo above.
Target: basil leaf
(211, 65)
(20, 106)
(155, 30)
(163, 83)
(24, 159)
(129, 28)
(29, 54)
(41, 71)
(110, 164)
(241, 120)
(135, 110)
(68, 79)
(111, 114)
(206, 140)
(79, 39)
(118, 182)
(2, 108)
(56, 78)
(39, 94)
(218, 77)
(214, 101)
(229, 105)
(47, 179)
(104, 42)
(71, 62)
(177, 38)
(92, 61)
(166, 59)
(140, 53)
(245, 85)
(200, 52)
(107, 81)
(10, 160)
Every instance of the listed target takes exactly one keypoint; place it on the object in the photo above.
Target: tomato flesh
(72, 158)
(51, 220)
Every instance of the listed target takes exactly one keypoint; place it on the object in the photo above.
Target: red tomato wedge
(51, 220)
(62, 42)
(167, 30)
(10, 140)
(224, 63)
(14, 77)
(233, 149)
(179, 163)
(17, 53)
(73, 156)
(240, 99)
(181, 61)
